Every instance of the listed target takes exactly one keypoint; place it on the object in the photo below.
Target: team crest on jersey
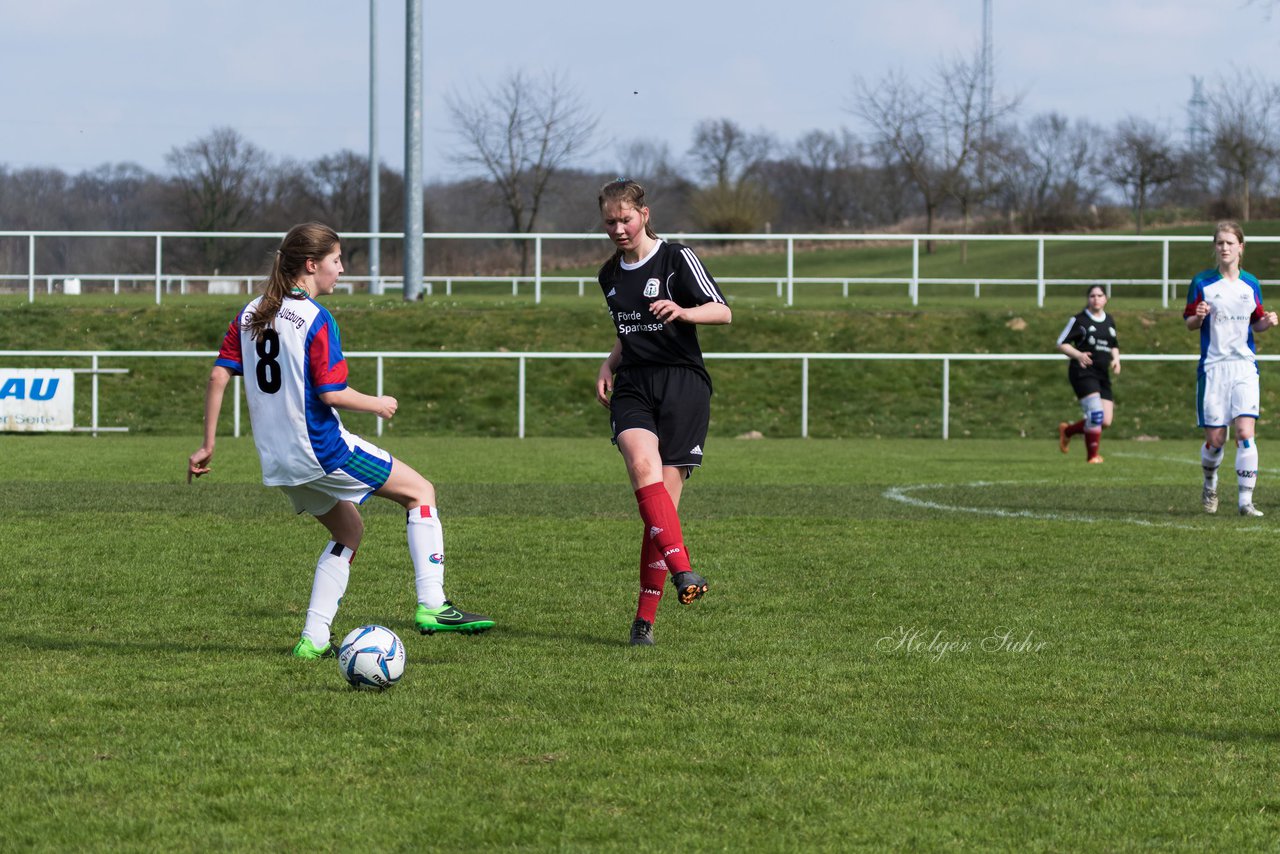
(651, 288)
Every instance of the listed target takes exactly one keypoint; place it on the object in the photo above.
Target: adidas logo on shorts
(697, 449)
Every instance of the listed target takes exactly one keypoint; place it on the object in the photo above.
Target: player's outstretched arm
(198, 463)
(354, 401)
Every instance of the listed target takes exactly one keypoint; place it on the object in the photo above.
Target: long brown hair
(306, 241)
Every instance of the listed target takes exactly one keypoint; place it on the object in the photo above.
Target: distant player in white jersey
(1225, 304)
(287, 347)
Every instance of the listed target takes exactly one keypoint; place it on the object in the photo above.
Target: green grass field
(908, 645)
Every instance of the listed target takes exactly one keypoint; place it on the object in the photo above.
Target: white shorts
(355, 480)
(1227, 391)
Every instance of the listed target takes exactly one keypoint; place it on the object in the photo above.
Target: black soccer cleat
(689, 586)
(641, 633)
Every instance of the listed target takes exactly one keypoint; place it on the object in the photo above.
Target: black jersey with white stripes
(673, 272)
(1095, 336)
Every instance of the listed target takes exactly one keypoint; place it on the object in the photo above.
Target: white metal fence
(785, 283)
(523, 358)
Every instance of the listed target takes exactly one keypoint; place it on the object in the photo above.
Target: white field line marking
(1184, 460)
(900, 494)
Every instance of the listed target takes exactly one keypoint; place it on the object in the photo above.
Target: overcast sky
(88, 82)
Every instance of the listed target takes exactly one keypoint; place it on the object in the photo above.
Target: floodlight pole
(413, 226)
(375, 194)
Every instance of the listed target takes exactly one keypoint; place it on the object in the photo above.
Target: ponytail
(308, 241)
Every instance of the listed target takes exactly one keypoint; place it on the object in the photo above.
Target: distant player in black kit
(661, 393)
(1089, 341)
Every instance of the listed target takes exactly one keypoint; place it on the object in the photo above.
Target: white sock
(426, 549)
(1210, 459)
(332, 571)
(1246, 469)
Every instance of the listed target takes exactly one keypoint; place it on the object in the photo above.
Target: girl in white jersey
(287, 347)
(1225, 304)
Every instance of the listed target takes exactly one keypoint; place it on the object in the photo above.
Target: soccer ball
(372, 657)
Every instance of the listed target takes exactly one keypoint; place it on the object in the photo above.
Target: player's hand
(1085, 360)
(387, 406)
(1115, 366)
(666, 310)
(198, 463)
(1271, 318)
(1203, 308)
(604, 385)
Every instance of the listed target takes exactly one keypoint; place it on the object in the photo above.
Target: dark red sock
(662, 525)
(1092, 439)
(653, 575)
(1078, 427)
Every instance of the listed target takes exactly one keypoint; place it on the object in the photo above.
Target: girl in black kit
(1089, 341)
(661, 394)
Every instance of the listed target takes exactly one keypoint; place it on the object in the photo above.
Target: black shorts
(1094, 379)
(672, 403)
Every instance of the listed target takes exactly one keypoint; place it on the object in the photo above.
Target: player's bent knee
(1094, 413)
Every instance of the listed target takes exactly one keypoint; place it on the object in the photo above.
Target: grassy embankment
(866, 399)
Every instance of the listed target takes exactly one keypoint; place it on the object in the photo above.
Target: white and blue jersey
(287, 367)
(1235, 305)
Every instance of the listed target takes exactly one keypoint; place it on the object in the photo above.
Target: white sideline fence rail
(523, 358)
(785, 284)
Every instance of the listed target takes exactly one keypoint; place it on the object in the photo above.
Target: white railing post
(520, 415)
(1164, 288)
(804, 398)
(159, 257)
(1040, 272)
(235, 407)
(791, 270)
(914, 287)
(380, 393)
(537, 269)
(95, 395)
(31, 268)
(946, 398)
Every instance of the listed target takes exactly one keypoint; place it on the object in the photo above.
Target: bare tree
(819, 178)
(1244, 136)
(1140, 159)
(966, 117)
(904, 128)
(520, 134)
(219, 181)
(1048, 171)
(934, 132)
(728, 159)
(646, 161)
(653, 166)
(333, 189)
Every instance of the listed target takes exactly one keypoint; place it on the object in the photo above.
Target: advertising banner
(36, 399)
